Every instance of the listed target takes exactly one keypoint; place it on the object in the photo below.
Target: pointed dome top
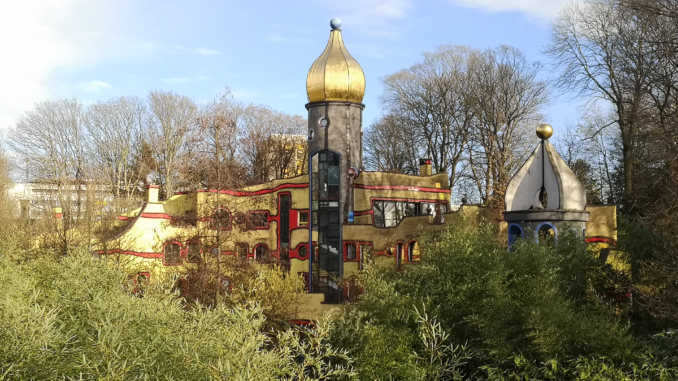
(545, 168)
(335, 75)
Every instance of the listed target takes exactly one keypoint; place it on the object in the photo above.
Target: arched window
(193, 251)
(399, 254)
(514, 233)
(172, 253)
(413, 254)
(261, 252)
(546, 234)
(221, 219)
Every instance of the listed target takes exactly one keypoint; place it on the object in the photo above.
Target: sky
(95, 50)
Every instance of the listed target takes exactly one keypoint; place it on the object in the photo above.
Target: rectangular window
(350, 252)
(258, 220)
(284, 214)
(193, 249)
(303, 218)
(172, 253)
(241, 250)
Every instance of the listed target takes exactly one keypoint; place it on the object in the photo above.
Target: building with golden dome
(322, 226)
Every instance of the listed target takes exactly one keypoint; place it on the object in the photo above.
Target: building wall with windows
(323, 226)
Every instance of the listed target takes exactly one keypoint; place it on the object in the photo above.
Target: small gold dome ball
(544, 131)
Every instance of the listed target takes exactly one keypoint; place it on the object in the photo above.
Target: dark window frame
(164, 253)
(228, 226)
(263, 218)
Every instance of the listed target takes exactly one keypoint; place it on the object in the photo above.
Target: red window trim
(305, 275)
(254, 250)
(230, 283)
(230, 219)
(181, 253)
(295, 253)
(200, 250)
(407, 257)
(358, 253)
(249, 220)
(247, 249)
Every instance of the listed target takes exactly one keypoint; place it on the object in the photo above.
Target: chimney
(56, 213)
(152, 193)
(425, 167)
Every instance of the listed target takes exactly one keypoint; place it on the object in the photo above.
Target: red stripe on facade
(401, 187)
(601, 239)
(253, 193)
(122, 218)
(136, 253)
(164, 216)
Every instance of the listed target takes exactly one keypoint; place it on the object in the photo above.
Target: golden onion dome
(335, 75)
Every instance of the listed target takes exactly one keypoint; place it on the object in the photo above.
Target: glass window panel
(323, 217)
(333, 175)
(336, 160)
(334, 192)
(350, 251)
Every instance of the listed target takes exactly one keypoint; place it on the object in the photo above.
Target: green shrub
(71, 318)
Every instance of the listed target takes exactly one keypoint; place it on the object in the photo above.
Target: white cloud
(542, 9)
(93, 86)
(41, 36)
(204, 52)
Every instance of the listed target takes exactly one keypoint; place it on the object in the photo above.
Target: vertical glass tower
(335, 86)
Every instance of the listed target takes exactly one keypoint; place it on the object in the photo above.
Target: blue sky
(94, 50)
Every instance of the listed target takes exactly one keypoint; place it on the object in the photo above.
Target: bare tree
(269, 142)
(49, 144)
(433, 99)
(116, 130)
(600, 49)
(390, 146)
(170, 121)
(507, 100)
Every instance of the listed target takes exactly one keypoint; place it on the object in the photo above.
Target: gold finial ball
(544, 131)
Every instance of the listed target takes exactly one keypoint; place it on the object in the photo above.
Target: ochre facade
(322, 226)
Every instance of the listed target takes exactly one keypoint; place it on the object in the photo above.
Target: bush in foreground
(71, 318)
(473, 310)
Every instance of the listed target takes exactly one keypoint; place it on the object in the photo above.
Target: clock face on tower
(311, 134)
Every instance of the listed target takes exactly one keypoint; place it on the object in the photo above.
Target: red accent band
(163, 216)
(253, 193)
(153, 187)
(401, 187)
(601, 239)
(136, 253)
